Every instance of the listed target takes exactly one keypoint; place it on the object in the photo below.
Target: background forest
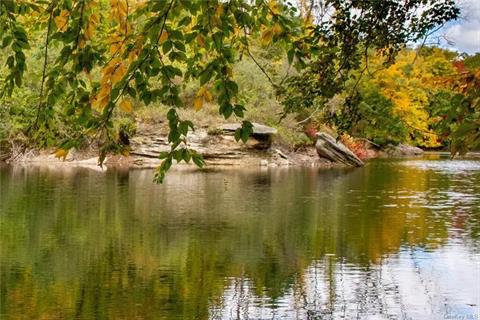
(427, 96)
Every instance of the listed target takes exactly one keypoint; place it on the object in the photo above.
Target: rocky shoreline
(219, 148)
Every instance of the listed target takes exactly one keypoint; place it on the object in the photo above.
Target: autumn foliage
(101, 59)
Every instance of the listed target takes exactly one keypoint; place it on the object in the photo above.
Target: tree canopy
(101, 55)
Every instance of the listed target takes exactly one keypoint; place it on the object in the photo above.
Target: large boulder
(402, 150)
(218, 146)
(258, 129)
(335, 151)
(261, 137)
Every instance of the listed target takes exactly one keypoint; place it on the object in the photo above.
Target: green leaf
(247, 130)
(232, 87)
(185, 21)
(239, 110)
(198, 160)
(205, 76)
(179, 46)
(163, 155)
(186, 155)
(172, 115)
(238, 134)
(167, 46)
(132, 92)
(178, 155)
(226, 110)
(166, 164)
(290, 55)
(6, 41)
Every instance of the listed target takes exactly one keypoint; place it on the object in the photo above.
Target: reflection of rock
(5, 150)
(402, 150)
(335, 151)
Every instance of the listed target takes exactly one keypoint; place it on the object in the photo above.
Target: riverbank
(218, 148)
(239, 157)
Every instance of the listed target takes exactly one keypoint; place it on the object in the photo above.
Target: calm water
(393, 240)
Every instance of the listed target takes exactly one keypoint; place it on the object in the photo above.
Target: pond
(397, 239)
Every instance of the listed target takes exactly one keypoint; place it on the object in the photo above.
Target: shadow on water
(393, 240)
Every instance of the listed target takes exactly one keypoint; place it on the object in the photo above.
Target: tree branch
(44, 70)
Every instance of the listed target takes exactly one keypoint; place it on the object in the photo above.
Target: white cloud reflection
(415, 284)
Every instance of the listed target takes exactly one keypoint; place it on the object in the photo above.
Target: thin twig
(126, 20)
(44, 70)
(247, 47)
(219, 52)
(311, 114)
(111, 108)
(79, 29)
(424, 41)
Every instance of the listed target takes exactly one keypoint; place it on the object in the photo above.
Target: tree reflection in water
(388, 240)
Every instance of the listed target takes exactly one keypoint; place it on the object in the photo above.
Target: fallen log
(335, 151)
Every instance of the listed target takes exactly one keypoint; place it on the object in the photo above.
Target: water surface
(393, 240)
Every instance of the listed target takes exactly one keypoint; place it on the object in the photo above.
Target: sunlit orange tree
(100, 55)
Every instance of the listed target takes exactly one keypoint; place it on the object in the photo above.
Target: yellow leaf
(94, 18)
(103, 101)
(99, 102)
(115, 38)
(219, 11)
(308, 21)
(122, 7)
(61, 20)
(116, 43)
(91, 4)
(118, 73)
(61, 23)
(274, 7)
(126, 105)
(89, 32)
(140, 4)
(64, 13)
(103, 96)
(229, 71)
(204, 93)
(163, 37)
(201, 40)
(114, 48)
(108, 70)
(238, 31)
(208, 96)
(61, 153)
(92, 22)
(277, 29)
(118, 10)
(132, 55)
(198, 103)
(105, 89)
(267, 36)
(201, 91)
